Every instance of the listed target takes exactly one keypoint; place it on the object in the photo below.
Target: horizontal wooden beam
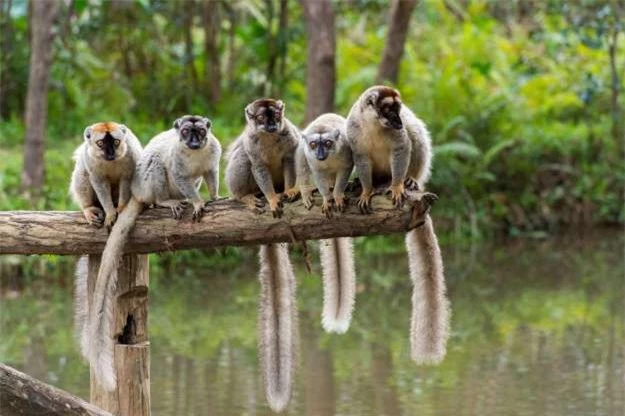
(21, 394)
(229, 223)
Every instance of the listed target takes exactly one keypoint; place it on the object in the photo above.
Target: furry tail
(339, 283)
(277, 324)
(81, 305)
(429, 328)
(101, 342)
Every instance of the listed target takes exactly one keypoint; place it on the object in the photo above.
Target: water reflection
(537, 328)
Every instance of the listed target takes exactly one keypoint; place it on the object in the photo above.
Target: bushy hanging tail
(339, 283)
(81, 305)
(277, 324)
(101, 342)
(429, 328)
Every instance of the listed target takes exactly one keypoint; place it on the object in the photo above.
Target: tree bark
(43, 14)
(24, 395)
(6, 31)
(228, 223)
(212, 24)
(320, 63)
(397, 29)
(192, 79)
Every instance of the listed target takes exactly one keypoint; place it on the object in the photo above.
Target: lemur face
(106, 140)
(265, 114)
(193, 131)
(322, 144)
(386, 103)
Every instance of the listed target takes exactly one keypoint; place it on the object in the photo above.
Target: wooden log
(130, 328)
(21, 394)
(229, 223)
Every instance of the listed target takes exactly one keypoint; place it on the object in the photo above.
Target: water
(537, 329)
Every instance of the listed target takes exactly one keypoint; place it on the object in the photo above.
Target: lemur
(389, 143)
(325, 155)
(100, 185)
(262, 160)
(168, 174)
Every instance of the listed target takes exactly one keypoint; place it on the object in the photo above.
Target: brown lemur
(389, 143)
(261, 160)
(105, 163)
(168, 174)
(325, 155)
(100, 185)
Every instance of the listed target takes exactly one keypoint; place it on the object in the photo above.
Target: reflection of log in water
(319, 398)
(385, 392)
(277, 324)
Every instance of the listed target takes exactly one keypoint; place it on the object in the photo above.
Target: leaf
(496, 149)
(457, 149)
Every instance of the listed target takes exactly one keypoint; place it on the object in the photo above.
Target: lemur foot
(176, 207)
(110, 219)
(290, 194)
(275, 205)
(398, 195)
(198, 210)
(94, 216)
(364, 202)
(340, 203)
(411, 184)
(326, 208)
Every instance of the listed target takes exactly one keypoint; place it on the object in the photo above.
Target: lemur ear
(123, 128)
(87, 133)
(372, 98)
(177, 123)
(336, 134)
(280, 105)
(207, 121)
(248, 112)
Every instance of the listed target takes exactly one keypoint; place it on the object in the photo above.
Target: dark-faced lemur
(389, 143)
(324, 161)
(168, 174)
(100, 185)
(262, 160)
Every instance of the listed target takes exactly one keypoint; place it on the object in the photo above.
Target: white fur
(339, 283)
(429, 327)
(277, 324)
(101, 341)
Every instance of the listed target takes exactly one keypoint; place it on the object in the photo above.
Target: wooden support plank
(228, 223)
(132, 350)
(21, 394)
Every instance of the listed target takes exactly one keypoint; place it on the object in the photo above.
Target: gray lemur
(325, 155)
(168, 174)
(390, 143)
(105, 163)
(262, 159)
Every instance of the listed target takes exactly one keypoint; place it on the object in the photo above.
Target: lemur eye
(116, 142)
(313, 145)
(260, 117)
(100, 143)
(185, 131)
(203, 132)
(328, 144)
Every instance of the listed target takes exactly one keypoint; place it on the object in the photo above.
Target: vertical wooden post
(132, 349)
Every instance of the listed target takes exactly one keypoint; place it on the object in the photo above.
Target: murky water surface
(537, 329)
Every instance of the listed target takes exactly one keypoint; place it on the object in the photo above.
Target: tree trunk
(615, 85)
(320, 65)
(43, 13)
(283, 41)
(6, 32)
(212, 24)
(398, 22)
(189, 12)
